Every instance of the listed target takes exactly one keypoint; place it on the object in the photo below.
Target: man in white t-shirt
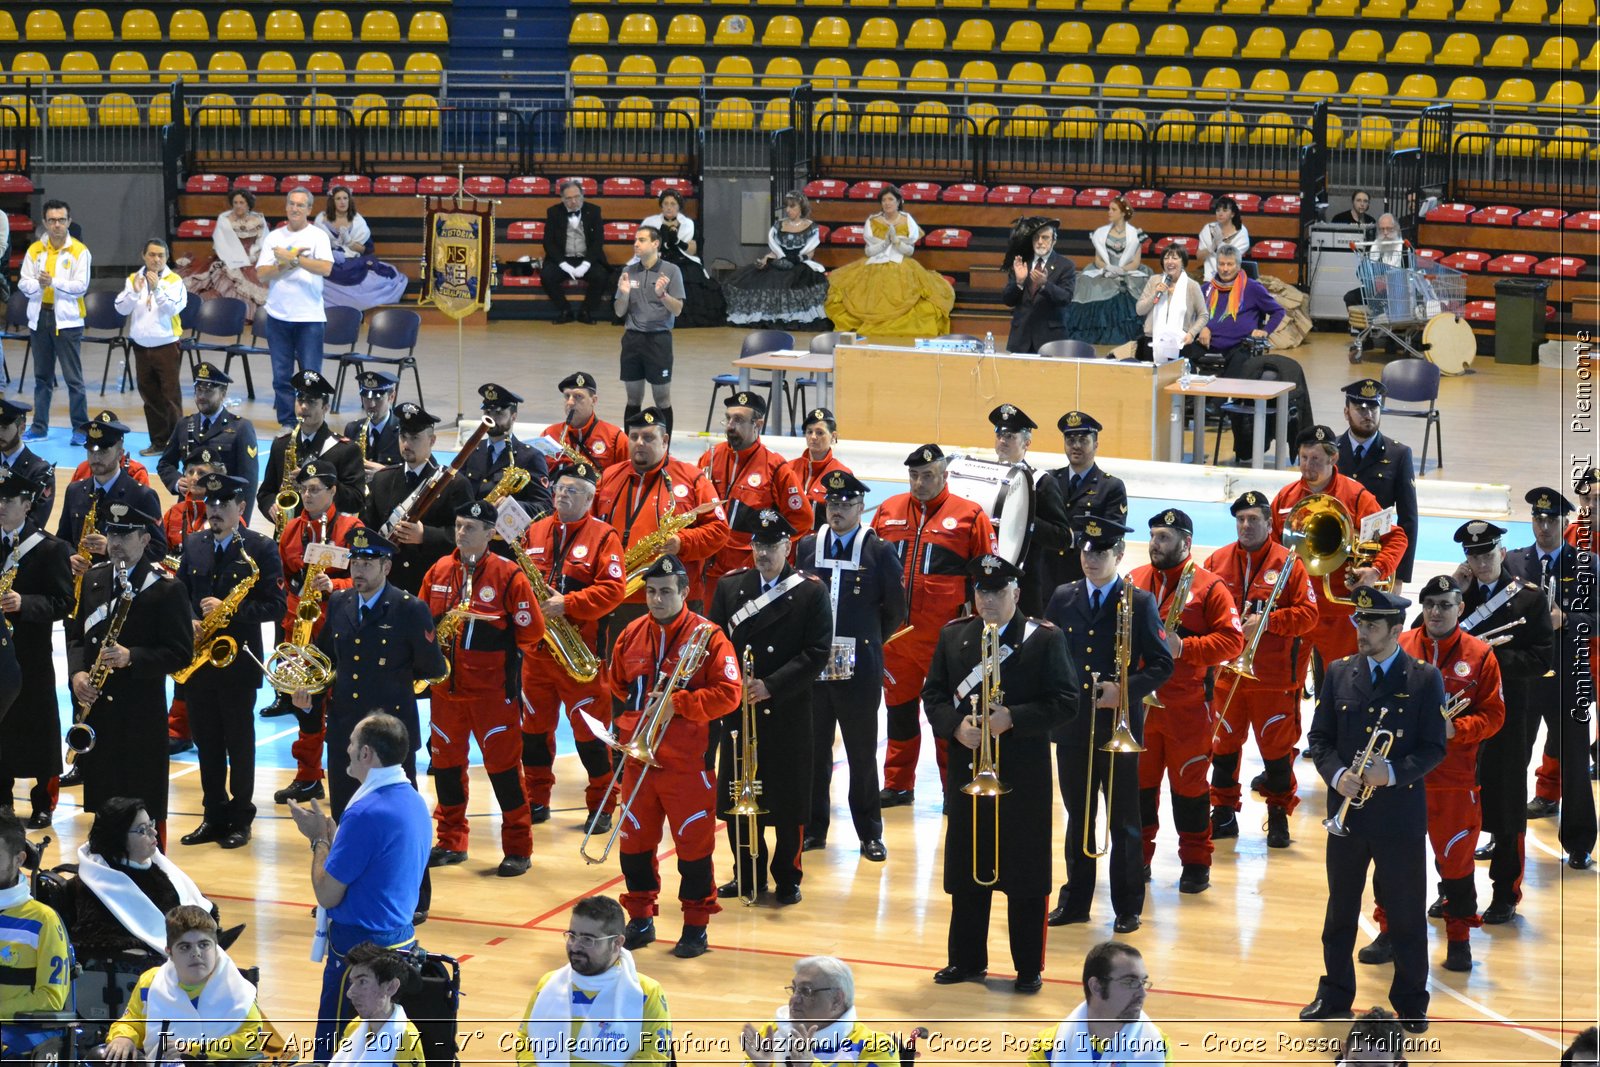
(294, 260)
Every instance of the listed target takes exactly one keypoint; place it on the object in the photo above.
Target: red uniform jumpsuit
(183, 518)
(583, 562)
(634, 504)
(299, 532)
(680, 791)
(1455, 816)
(480, 695)
(1334, 637)
(934, 541)
(1547, 779)
(1269, 705)
(605, 445)
(754, 479)
(810, 474)
(131, 467)
(1177, 737)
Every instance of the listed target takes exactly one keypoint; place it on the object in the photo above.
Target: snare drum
(1449, 343)
(841, 664)
(1005, 493)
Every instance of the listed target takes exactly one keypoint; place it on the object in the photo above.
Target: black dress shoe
(1146, 871)
(1436, 909)
(1059, 916)
(729, 890)
(39, 820)
(178, 745)
(813, 843)
(74, 776)
(874, 851)
(588, 320)
(1578, 861)
(236, 838)
(788, 894)
(1196, 878)
(279, 708)
(1458, 956)
(299, 792)
(1277, 828)
(691, 943)
(1319, 1010)
(1028, 983)
(1499, 912)
(1485, 850)
(563, 316)
(439, 856)
(1540, 808)
(204, 834)
(1126, 924)
(895, 798)
(512, 866)
(1418, 1025)
(639, 933)
(598, 822)
(538, 813)
(953, 975)
(1224, 824)
(1380, 951)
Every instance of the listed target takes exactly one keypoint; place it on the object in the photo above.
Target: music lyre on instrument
(745, 814)
(986, 758)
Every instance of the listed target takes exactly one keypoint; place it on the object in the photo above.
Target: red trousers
(683, 800)
(1547, 779)
(1274, 716)
(178, 721)
(307, 752)
(546, 688)
(1177, 745)
(492, 719)
(905, 668)
(1454, 819)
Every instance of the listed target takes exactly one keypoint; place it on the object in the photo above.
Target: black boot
(1380, 951)
(1458, 956)
(1277, 828)
(1224, 823)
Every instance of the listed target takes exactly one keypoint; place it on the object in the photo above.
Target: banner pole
(458, 379)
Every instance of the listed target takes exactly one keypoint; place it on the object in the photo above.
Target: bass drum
(1449, 343)
(1005, 493)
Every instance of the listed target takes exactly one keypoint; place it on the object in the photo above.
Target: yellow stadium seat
(325, 68)
(858, 3)
(420, 109)
(782, 72)
(775, 3)
(878, 34)
(1367, 83)
(1269, 86)
(1176, 124)
(117, 109)
(68, 109)
(1002, 4)
(808, 3)
(926, 35)
(638, 28)
(1195, 7)
(271, 109)
(1411, 48)
(1218, 79)
(236, 25)
(733, 113)
(226, 67)
(25, 111)
(332, 25)
(831, 114)
(423, 68)
(1100, 5)
(1508, 51)
(880, 116)
(775, 115)
(690, 29)
(1557, 53)
(93, 24)
(1072, 39)
(961, 3)
(589, 70)
(1266, 42)
(1574, 14)
(983, 115)
(1314, 45)
(1297, 9)
(684, 70)
(1362, 46)
(929, 76)
(1417, 90)
(1512, 94)
(1316, 85)
(1572, 145)
(1591, 62)
(8, 27)
(831, 73)
(44, 24)
(175, 63)
(879, 75)
(1472, 135)
(1466, 91)
(1126, 124)
(1025, 77)
(1242, 7)
(1217, 42)
(361, 106)
(1024, 35)
(830, 31)
(428, 27)
(1027, 120)
(281, 26)
(637, 70)
(1408, 137)
(1077, 123)
(1531, 12)
(1150, 7)
(735, 31)
(27, 64)
(588, 113)
(733, 72)
(1223, 127)
(1119, 39)
(1478, 11)
(1384, 10)
(1563, 94)
(1459, 50)
(1517, 140)
(372, 68)
(589, 27)
(977, 76)
(1276, 127)
(1168, 39)
(1122, 80)
(1336, 9)
(80, 68)
(783, 31)
(1073, 79)
(130, 68)
(1431, 10)
(974, 35)
(218, 109)
(681, 112)
(380, 26)
(1176, 82)
(930, 116)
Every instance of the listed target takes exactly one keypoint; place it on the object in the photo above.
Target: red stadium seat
(1095, 197)
(1190, 245)
(1560, 267)
(1432, 255)
(1582, 220)
(1280, 204)
(19, 183)
(1189, 201)
(822, 233)
(1542, 218)
(620, 231)
(1511, 263)
(1496, 215)
(849, 235)
(1249, 203)
(394, 185)
(312, 183)
(19, 223)
(868, 190)
(438, 185)
(623, 187)
(1272, 250)
(1451, 213)
(1008, 194)
(1053, 196)
(256, 183)
(1467, 261)
(948, 238)
(589, 186)
(199, 183)
(1145, 199)
(964, 193)
(359, 184)
(921, 192)
(519, 281)
(528, 185)
(525, 231)
(826, 189)
(683, 185)
(486, 185)
(192, 228)
(1478, 311)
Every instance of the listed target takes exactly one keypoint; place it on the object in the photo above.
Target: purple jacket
(1256, 308)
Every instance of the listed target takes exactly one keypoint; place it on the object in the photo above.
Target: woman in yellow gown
(888, 293)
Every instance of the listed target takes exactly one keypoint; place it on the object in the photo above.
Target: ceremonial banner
(458, 256)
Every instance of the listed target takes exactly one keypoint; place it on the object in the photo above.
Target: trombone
(745, 815)
(1244, 665)
(986, 759)
(1121, 741)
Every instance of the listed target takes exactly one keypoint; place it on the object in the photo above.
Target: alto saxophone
(8, 578)
(288, 498)
(80, 735)
(83, 552)
(449, 628)
(513, 480)
(642, 554)
(1180, 598)
(564, 639)
(211, 645)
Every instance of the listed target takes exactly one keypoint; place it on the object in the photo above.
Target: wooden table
(1259, 392)
(780, 363)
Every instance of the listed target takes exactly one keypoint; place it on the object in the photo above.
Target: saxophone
(449, 628)
(564, 639)
(642, 554)
(288, 498)
(80, 735)
(83, 553)
(8, 578)
(1180, 598)
(513, 480)
(211, 645)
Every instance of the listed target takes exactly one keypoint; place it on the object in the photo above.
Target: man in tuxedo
(574, 248)
(1038, 294)
(1381, 464)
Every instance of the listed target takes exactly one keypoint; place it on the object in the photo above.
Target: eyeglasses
(1131, 982)
(588, 940)
(806, 992)
(146, 830)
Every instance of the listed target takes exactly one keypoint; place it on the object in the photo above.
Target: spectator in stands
(359, 279)
(1174, 311)
(888, 292)
(1103, 308)
(785, 287)
(1039, 292)
(54, 277)
(702, 302)
(203, 1007)
(380, 1033)
(33, 944)
(1375, 1038)
(153, 297)
(5, 256)
(235, 247)
(1110, 1025)
(1238, 309)
(1584, 1050)
(1228, 230)
(818, 1023)
(1358, 215)
(294, 260)
(575, 250)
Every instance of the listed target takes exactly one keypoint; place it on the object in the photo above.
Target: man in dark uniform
(107, 484)
(129, 713)
(1492, 599)
(1039, 292)
(484, 469)
(1087, 612)
(419, 544)
(19, 459)
(230, 439)
(40, 595)
(1085, 488)
(315, 439)
(216, 562)
(1567, 576)
(862, 577)
(377, 422)
(1378, 688)
(999, 839)
(1049, 533)
(779, 617)
(1381, 464)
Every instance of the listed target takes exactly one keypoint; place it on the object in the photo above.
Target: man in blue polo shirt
(366, 875)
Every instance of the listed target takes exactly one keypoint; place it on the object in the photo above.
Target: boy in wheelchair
(381, 1034)
(35, 956)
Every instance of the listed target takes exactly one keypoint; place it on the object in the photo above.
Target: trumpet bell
(986, 784)
(640, 749)
(1334, 826)
(1122, 740)
(291, 668)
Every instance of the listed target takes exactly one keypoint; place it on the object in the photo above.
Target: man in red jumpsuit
(601, 443)
(1202, 632)
(680, 791)
(936, 534)
(480, 694)
(580, 559)
(1269, 703)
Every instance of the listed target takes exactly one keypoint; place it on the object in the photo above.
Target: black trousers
(969, 929)
(1127, 839)
(598, 286)
(782, 859)
(853, 709)
(1567, 740)
(1400, 864)
(222, 723)
(1503, 778)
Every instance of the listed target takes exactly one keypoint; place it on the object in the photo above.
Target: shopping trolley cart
(1414, 303)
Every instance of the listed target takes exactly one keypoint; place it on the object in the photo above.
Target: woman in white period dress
(230, 270)
(359, 279)
(1102, 310)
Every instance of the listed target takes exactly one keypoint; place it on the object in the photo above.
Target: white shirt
(296, 295)
(153, 311)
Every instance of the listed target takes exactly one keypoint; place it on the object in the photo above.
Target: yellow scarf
(1235, 296)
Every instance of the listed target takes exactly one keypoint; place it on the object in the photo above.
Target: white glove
(581, 269)
(572, 272)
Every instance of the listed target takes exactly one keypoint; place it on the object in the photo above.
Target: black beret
(1173, 518)
(1316, 435)
(1250, 499)
(921, 457)
(579, 380)
(746, 399)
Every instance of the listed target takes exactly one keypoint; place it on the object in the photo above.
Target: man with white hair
(818, 1023)
(293, 262)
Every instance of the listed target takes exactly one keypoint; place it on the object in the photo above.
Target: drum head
(1450, 343)
(1005, 493)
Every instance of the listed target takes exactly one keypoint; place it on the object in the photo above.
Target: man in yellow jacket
(35, 959)
(54, 277)
(818, 1027)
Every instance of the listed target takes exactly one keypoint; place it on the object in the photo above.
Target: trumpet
(986, 759)
(1377, 748)
(1180, 597)
(745, 815)
(1320, 530)
(288, 499)
(1121, 741)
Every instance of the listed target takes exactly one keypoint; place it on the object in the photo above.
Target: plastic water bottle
(1187, 376)
(988, 343)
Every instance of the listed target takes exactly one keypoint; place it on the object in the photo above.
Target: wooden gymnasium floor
(1231, 967)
